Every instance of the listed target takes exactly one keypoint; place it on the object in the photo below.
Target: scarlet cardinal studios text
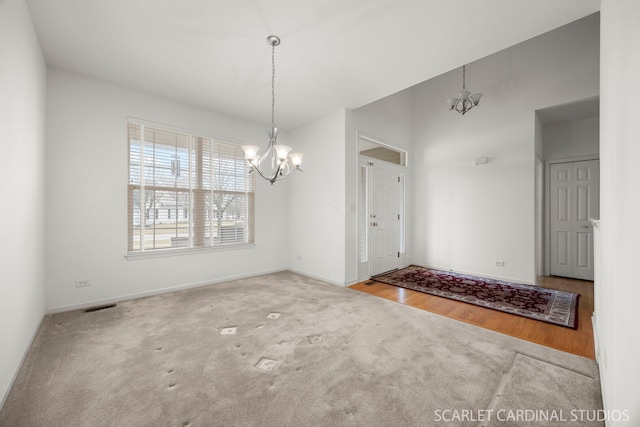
(530, 415)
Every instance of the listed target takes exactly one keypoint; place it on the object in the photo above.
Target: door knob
(585, 226)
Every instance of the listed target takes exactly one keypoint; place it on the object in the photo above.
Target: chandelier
(278, 161)
(465, 101)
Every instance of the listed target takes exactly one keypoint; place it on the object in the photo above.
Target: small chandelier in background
(465, 101)
(278, 161)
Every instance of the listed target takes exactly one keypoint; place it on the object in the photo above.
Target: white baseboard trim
(486, 276)
(599, 356)
(315, 276)
(596, 340)
(34, 333)
(92, 303)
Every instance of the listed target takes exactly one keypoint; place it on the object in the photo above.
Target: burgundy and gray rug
(534, 302)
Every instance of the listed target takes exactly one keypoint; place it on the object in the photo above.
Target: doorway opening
(569, 185)
(381, 207)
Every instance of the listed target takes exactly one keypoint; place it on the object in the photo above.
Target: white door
(574, 198)
(384, 217)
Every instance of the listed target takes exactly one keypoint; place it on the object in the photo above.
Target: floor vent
(98, 308)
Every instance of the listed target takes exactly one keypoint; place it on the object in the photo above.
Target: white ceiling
(334, 53)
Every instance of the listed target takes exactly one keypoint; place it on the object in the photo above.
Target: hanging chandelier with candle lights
(465, 100)
(278, 161)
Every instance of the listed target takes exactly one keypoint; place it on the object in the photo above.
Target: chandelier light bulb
(296, 159)
(476, 98)
(250, 151)
(282, 151)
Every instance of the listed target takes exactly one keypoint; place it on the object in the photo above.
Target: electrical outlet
(499, 263)
(82, 283)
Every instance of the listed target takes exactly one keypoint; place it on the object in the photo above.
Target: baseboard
(83, 305)
(351, 282)
(34, 333)
(596, 340)
(486, 276)
(317, 277)
(599, 356)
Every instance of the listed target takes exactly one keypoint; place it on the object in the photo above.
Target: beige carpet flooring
(286, 350)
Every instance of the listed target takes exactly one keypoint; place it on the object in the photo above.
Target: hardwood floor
(577, 341)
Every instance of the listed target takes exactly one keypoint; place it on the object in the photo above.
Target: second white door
(574, 199)
(384, 218)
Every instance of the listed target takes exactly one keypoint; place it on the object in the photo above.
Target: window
(208, 180)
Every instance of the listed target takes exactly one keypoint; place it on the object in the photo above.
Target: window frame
(218, 150)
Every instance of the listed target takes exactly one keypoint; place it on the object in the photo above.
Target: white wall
(539, 138)
(387, 120)
(22, 115)
(86, 198)
(465, 217)
(316, 227)
(539, 196)
(351, 246)
(618, 292)
(572, 139)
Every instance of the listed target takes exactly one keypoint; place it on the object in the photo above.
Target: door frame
(547, 203)
(364, 268)
(539, 219)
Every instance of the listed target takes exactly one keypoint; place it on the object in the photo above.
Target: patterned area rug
(534, 302)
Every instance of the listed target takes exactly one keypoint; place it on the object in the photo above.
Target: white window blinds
(186, 191)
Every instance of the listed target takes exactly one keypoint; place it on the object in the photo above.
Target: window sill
(163, 253)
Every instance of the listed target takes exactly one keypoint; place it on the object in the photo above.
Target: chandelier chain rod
(464, 72)
(273, 85)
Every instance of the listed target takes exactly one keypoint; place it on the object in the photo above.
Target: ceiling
(334, 54)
